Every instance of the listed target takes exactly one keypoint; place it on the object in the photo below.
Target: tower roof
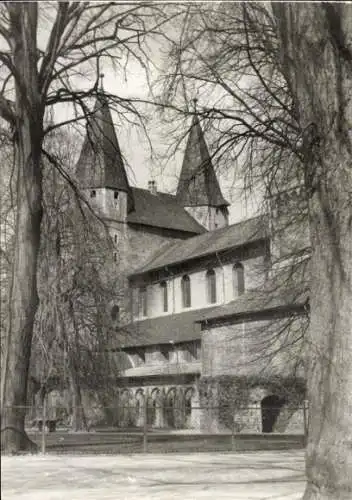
(198, 184)
(100, 164)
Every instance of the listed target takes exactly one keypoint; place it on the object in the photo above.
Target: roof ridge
(205, 244)
(156, 194)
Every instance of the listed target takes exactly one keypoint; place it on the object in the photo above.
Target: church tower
(100, 169)
(198, 189)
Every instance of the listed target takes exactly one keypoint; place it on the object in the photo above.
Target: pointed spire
(100, 164)
(198, 184)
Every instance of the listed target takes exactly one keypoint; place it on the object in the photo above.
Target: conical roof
(198, 184)
(100, 164)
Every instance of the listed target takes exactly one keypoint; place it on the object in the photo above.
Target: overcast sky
(141, 166)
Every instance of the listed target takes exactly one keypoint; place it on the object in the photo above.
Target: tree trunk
(329, 342)
(317, 60)
(23, 298)
(79, 422)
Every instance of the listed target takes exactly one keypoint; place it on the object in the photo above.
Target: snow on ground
(242, 476)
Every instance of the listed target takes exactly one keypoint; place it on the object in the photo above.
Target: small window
(115, 312)
(143, 309)
(116, 195)
(211, 286)
(191, 351)
(164, 297)
(165, 352)
(238, 279)
(115, 257)
(115, 238)
(93, 193)
(186, 291)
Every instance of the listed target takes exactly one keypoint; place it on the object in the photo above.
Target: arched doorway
(188, 406)
(152, 407)
(125, 408)
(139, 408)
(170, 404)
(271, 407)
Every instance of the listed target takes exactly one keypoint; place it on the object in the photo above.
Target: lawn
(237, 476)
(162, 442)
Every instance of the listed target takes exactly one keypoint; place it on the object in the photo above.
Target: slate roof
(100, 164)
(161, 210)
(206, 244)
(257, 301)
(180, 327)
(198, 184)
(187, 325)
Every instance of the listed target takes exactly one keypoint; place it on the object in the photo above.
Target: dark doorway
(271, 407)
(170, 408)
(151, 412)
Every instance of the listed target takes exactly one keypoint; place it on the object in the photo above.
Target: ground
(236, 476)
(126, 442)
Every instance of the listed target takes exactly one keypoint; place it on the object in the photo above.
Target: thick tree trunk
(72, 345)
(317, 60)
(79, 422)
(23, 299)
(329, 342)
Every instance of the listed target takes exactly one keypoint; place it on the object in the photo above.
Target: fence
(160, 429)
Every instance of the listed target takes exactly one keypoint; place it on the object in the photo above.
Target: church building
(207, 330)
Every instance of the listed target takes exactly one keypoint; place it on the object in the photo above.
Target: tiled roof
(175, 328)
(186, 326)
(100, 164)
(161, 210)
(198, 184)
(207, 243)
(257, 301)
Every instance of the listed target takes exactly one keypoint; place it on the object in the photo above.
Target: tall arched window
(115, 313)
(164, 298)
(143, 306)
(186, 291)
(238, 279)
(211, 286)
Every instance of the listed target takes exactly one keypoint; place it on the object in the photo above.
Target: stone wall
(249, 347)
(238, 404)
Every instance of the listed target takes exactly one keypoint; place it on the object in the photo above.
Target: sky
(141, 166)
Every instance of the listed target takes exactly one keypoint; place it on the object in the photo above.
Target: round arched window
(238, 279)
(115, 312)
(211, 286)
(186, 291)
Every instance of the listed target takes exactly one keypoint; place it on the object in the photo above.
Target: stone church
(207, 330)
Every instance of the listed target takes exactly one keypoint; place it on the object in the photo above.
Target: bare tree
(7, 211)
(37, 76)
(274, 84)
(73, 324)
